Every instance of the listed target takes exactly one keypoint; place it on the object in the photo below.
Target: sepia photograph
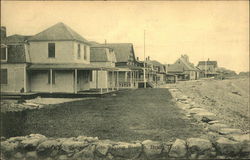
(124, 80)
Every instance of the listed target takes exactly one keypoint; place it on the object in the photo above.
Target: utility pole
(144, 68)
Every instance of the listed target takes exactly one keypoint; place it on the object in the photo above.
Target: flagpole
(144, 68)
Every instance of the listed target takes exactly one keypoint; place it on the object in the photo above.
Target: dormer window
(4, 53)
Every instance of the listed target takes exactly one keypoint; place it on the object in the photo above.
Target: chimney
(3, 32)
(105, 42)
(148, 58)
(137, 58)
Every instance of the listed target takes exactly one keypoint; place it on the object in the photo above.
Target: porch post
(101, 86)
(131, 86)
(117, 80)
(24, 80)
(96, 79)
(107, 80)
(50, 72)
(113, 81)
(75, 80)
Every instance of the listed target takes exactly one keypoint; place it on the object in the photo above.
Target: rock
(226, 131)
(102, 148)
(241, 137)
(87, 153)
(152, 149)
(213, 122)
(220, 157)
(217, 127)
(227, 147)
(71, 145)
(8, 147)
(178, 149)
(62, 157)
(33, 140)
(198, 145)
(16, 139)
(31, 155)
(18, 155)
(196, 110)
(88, 139)
(48, 145)
(205, 116)
(126, 150)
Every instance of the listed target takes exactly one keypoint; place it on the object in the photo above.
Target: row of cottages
(182, 69)
(59, 60)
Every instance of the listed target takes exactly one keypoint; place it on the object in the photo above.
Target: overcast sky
(201, 29)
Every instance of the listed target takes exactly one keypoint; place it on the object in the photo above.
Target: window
(51, 50)
(53, 77)
(79, 51)
(4, 76)
(3, 54)
(85, 52)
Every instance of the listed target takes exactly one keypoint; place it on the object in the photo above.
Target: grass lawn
(131, 115)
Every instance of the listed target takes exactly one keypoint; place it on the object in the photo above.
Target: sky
(218, 30)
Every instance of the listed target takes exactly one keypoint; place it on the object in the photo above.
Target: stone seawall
(36, 146)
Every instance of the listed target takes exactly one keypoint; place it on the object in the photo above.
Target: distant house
(56, 60)
(103, 56)
(208, 68)
(158, 71)
(128, 69)
(184, 69)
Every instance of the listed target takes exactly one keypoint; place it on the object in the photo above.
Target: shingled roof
(122, 50)
(59, 31)
(173, 68)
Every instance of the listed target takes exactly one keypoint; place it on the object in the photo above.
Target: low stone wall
(36, 146)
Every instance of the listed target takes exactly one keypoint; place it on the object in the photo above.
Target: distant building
(183, 69)
(208, 68)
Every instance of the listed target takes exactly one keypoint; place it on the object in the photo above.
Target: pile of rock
(36, 146)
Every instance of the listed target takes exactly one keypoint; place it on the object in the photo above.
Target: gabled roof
(187, 65)
(59, 31)
(208, 63)
(154, 62)
(122, 50)
(173, 68)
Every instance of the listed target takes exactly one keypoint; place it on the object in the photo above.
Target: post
(107, 80)
(144, 69)
(113, 80)
(24, 80)
(101, 86)
(130, 79)
(75, 80)
(117, 80)
(126, 76)
(50, 72)
(96, 79)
